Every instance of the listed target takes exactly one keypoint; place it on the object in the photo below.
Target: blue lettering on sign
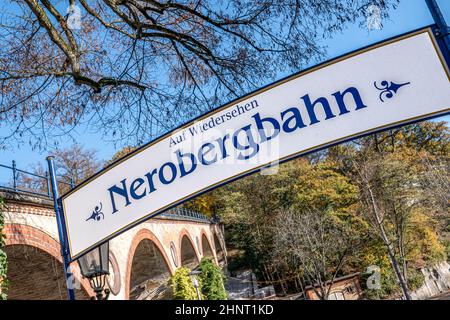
(244, 141)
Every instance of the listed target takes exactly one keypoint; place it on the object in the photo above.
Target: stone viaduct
(141, 259)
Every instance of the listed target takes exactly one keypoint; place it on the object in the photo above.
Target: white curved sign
(396, 82)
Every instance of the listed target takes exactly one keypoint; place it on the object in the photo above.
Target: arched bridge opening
(34, 274)
(189, 257)
(149, 270)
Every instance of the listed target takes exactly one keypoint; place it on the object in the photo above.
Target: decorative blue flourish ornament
(97, 214)
(388, 89)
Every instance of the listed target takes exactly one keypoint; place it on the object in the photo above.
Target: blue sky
(410, 15)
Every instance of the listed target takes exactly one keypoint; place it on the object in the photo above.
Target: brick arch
(218, 245)
(20, 234)
(141, 235)
(205, 235)
(185, 232)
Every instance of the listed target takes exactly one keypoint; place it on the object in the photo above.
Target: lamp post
(94, 266)
(194, 280)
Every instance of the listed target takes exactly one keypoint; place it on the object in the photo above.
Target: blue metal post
(61, 233)
(14, 170)
(444, 30)
(49, 188)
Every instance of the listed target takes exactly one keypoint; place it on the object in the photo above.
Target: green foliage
(182, 286)
(203, 204)
(212, 280)
(415, 279)
(375, 255)
(3, 257)
(249, 206)
(211, 283)
(409, 176)
(425, 244)
(446, 244)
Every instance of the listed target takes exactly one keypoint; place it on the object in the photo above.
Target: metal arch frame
(432, 27)
(439, 48)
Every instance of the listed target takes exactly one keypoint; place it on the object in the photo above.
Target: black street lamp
(94, 266)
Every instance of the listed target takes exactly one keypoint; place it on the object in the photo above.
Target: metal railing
(184, 214)
(39, 185)
(30, 183)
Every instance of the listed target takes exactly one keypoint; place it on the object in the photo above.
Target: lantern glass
(95, 262)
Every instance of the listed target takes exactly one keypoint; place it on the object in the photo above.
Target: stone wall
(437, 281)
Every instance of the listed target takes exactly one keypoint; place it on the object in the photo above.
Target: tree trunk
(396, 267)
(386, 241)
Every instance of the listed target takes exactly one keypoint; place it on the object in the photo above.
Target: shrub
(212, 280)
(182, 286)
